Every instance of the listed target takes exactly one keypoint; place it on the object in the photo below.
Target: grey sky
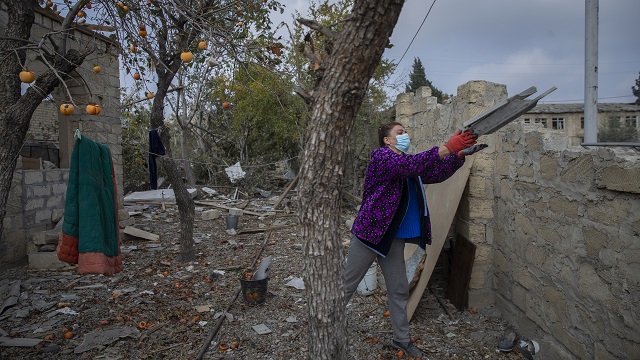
(518, 43)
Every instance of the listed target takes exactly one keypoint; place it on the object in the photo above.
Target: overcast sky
(519, 43)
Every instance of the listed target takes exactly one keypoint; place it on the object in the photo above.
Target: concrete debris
(105, 337)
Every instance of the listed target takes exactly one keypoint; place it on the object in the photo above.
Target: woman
(394, 211)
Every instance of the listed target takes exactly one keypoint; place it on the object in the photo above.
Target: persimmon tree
(160, 38)
(16, 107)
(342, 68)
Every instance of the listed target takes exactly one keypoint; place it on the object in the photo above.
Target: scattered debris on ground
(158, 307)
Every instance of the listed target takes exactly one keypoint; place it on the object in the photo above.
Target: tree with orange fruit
(170, 45)
(16, 108)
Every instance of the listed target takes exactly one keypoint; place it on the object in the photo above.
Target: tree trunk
(15, 109)
(186, 206)
(337, 96)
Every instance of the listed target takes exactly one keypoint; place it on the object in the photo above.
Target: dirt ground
(159, 308)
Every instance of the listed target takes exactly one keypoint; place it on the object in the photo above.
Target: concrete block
(524, 224)
(59, 189)
(548, 167)
(524, 277)
(594, 241)
(503, 161)
(619, 179)
(538, 205)
(405, 109)
(33, 204)
(548, 235)
(475, 232)
(479, 187)
(423, 91)
(41, 190)
(481, 209)
(55, 202)
(538, 256)
(591, 285)
(483, 164)
(484, 255)
(404, 98)
(534, 141)
(212, 214)
(480, 276)
(579, 170)
(53, 175)
(562, 205)
(609, 212)
(525, 170)
(43, 216)
(45, 260)
(33, 177)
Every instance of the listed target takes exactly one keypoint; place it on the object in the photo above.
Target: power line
(416, 34)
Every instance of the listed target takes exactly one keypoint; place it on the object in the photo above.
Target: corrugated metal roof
(579, 108)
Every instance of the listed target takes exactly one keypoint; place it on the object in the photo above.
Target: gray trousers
(360, 258)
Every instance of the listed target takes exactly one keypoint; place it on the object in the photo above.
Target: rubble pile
(159, 307)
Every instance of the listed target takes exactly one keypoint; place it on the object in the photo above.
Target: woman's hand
(461, 140)
(471, 150)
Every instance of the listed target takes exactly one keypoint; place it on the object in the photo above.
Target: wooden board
(464, 252)
(130, 230)
(442, 201)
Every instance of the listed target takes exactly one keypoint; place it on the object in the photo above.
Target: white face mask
(403, 142)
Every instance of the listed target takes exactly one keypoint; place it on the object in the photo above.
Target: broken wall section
(567, 246)
(431, 124)
(557, 228)
(37, 195)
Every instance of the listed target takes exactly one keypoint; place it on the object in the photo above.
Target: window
(527, 120)
(631, 121)
(557, 123)
(542, 121)
(582, 122)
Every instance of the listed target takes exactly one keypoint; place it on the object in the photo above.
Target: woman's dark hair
(384, 131)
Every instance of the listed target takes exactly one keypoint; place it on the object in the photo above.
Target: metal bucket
(254, 292)
(231, 221)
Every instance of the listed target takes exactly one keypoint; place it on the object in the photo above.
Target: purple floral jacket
(383, 188)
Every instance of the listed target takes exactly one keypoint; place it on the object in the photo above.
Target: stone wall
(557, 228)
(37, 196)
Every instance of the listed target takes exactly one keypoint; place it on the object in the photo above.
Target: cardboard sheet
(442, 200)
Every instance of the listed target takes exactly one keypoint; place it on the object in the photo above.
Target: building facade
(569, 118)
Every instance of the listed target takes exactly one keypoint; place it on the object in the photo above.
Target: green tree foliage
(616, 130)
(418, 78)
(267, 116)
(636, 90)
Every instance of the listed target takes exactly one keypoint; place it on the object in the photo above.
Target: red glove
(461, 140)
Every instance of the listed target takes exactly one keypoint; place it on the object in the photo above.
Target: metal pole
(591, 72)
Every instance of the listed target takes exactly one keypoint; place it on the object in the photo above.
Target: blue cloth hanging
(156, 148)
